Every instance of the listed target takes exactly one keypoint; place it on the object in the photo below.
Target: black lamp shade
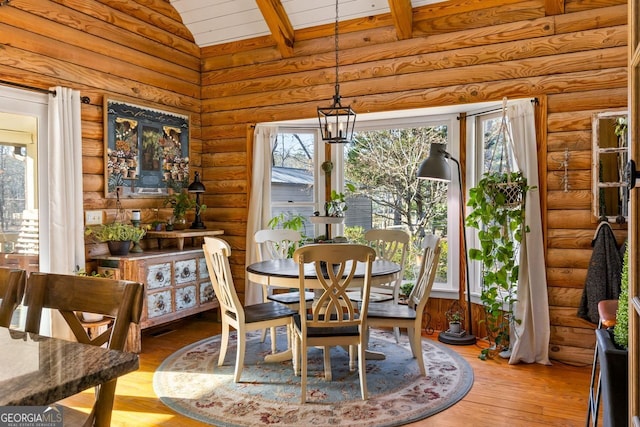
(196, 186)
(436, 167)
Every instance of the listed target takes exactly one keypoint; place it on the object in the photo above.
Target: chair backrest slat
(428, 269)
(335, 266)
(276, 244)
(217, 252)
(12, 285)
(71, 294)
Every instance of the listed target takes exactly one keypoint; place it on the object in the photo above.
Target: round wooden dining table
(284, 273)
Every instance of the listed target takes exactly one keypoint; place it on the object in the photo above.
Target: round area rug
(191, 383)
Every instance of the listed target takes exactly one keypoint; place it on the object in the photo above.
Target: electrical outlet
(93, 217)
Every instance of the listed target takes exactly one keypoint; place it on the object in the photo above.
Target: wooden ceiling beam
(402, 14)
(553, 7)
(279, 25)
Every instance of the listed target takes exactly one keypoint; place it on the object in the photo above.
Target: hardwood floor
(502, 394)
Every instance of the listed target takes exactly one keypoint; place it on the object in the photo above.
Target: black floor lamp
(436, 168)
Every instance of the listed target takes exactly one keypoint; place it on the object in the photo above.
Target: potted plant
(181, 202)
(498, 213)
(454, 318)
(117, 235)
(614, 356)
(336, 206)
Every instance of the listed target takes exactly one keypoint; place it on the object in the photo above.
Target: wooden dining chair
(409, 316)
(72, 294)
(278, 244)
(233, 314)
(12, 284)
(335, 319)
(390, 245)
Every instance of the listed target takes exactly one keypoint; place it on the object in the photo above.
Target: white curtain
(65, 209)
(259, 200)
(530, 338)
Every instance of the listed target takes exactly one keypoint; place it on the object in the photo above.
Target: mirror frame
(597, 151)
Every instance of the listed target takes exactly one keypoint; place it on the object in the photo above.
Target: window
(294, 176)
(298, 180)
(486, 150)
(382, 163)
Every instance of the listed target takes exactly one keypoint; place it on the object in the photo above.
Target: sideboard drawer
(185, 271)
(158, 276)
(158, 303)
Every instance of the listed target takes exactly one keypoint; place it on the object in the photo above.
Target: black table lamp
(436, 168)
(197, 187)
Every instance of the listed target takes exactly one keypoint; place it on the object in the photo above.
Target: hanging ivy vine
(499, 216)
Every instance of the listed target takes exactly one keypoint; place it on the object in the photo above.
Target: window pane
(292, 178)
(382, 164)
(12, 194)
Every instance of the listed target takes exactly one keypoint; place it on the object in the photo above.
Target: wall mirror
(610, 155)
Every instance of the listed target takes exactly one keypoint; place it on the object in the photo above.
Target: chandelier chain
(336, 42)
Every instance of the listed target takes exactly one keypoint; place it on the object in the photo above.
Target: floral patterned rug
(191, 383)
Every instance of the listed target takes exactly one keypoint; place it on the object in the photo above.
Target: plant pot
(454, 327)
(180, 224)
(118, 248)
(614, 379)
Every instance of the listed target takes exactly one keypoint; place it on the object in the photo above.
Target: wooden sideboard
(176, 285)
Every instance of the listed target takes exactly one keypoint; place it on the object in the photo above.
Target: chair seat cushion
(290, 297)
(266, 311)
(345, 331)
(391, 311)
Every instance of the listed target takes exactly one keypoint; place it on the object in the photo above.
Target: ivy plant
(621, 329)
(498, 213)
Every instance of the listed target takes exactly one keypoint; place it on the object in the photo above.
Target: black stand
(462, 338)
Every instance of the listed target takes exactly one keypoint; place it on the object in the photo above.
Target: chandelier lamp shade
(437, 168)
(337, 122)
(197, 187)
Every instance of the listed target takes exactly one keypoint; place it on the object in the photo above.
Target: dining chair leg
(396, 333)
(352, 358)
(362, 362)
(328, 375)
(415, 340)
(224, 343)
(303, 374)
(239, 356)
(274, 348)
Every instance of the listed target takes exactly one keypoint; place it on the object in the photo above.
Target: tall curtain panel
(65, 210)
(259, 200)
(531, 337)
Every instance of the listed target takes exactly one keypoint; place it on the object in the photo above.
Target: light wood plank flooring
(502, 394)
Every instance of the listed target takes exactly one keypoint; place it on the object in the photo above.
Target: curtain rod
(84, 99)
(533, 101)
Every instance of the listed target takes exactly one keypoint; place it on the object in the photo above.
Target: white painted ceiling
(214, 22)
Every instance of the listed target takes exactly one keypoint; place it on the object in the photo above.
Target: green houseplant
(498, 213)
(181, 202)
(117, 235)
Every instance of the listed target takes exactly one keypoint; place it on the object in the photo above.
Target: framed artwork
(147, 150)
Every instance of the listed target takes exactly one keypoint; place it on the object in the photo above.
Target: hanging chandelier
(336, 122)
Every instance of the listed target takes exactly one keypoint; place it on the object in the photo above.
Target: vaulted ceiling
(213, 22)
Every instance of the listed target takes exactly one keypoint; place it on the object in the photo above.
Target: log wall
(573, 62)
(135, 51)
